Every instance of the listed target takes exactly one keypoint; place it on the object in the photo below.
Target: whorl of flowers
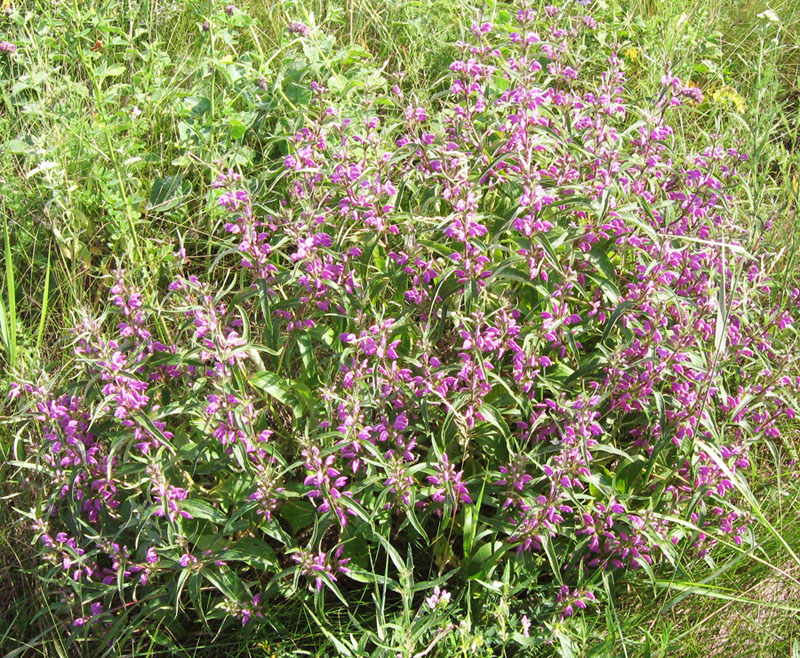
(296, 27)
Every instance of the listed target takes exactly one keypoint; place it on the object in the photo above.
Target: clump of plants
(463, 366)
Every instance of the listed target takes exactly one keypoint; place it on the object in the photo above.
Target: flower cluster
(524, 315)
(321, 566)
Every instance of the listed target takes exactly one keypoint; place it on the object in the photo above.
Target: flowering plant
(519, 331)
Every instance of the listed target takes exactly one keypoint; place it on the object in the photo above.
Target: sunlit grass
(88, 183)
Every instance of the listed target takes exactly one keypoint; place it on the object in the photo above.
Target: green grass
(95, 173)
(742, 603)
(109, 150)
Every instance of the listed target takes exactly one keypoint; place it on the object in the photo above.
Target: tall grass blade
(8, 309)
(45, 302)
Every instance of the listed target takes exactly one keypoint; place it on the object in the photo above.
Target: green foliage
(114, 118)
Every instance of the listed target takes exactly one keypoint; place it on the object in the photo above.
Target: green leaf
(615, 316)
(200, 509)
(485, 558)
(167, 192)
(17, 146)
(45, 302)
(227, 582)
(299, 514)
(253, 551)
(294, 395)
(237, 128)
(111, 71)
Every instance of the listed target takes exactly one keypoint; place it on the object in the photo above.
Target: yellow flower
(632, 54)
(728, 95)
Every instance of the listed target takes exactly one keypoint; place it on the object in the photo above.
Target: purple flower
(296, 27)
(440, 598)
(187, 560)
(549, 347)
(321, 566)
(570, 600)
(167, 497)
(267, 492)
(449, 486)
(327, 483)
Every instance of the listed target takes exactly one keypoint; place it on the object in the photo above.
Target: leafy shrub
(112, 116)
(461, 368)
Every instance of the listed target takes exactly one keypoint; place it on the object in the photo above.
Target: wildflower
(326, 482)
(167, 496)
(448, 483)
(515, 480)
(691, 91)
(728, 95)
(525, 313)
(266, 493)
(540, 518)
(570, 600)
(320, 566)
(440, 598)
(7, 47)
(769, 15)
(187, 560)
(296, 27)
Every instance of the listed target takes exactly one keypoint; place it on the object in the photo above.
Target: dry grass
(766, 626)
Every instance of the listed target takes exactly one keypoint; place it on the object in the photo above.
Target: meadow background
(115, 119)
